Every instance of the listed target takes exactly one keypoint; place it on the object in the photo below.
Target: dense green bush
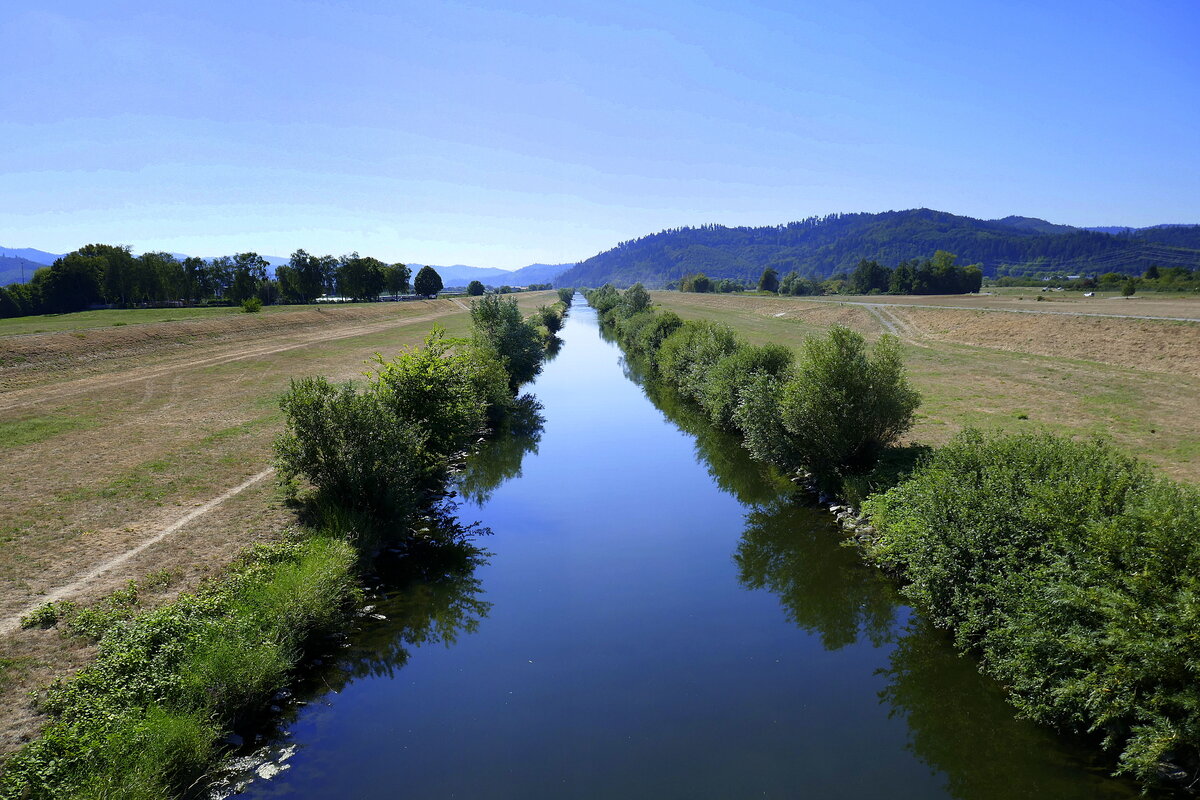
(722, 388)
(500, 329)
(252, 305)
(439, 392)
(845, 404)
(351, 447)
(649, 337)
(834, 413)
(1073, 572)
(688, 355)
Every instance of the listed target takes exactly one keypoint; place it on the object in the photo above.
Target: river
(654, 617)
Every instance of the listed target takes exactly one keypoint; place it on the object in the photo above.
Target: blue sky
(500, 134)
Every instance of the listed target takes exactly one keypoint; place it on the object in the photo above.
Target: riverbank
(147, 716)
(1084, 661)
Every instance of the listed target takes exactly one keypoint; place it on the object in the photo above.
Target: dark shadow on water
(499, 458)
(793, 552)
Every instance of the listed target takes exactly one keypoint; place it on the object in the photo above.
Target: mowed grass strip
(121, 317)
(1146, 413)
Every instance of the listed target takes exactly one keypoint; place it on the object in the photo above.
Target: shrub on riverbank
(833, 412)
(1073, 572)
(143, 719)
(351, 447)
(500, 329)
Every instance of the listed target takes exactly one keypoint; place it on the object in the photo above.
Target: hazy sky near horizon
(501, 134)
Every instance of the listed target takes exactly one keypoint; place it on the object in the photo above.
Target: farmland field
(1131, 379)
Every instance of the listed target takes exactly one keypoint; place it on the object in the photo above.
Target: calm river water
(654, 618)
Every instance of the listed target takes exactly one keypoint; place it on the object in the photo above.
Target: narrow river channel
(654, 618)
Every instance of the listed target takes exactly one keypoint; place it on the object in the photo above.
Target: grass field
(106, 318)
(109, 438)
(1136, 381)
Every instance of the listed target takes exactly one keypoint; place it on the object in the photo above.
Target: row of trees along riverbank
(369, 466)
(1070, 570)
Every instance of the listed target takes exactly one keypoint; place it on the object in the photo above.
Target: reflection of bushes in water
(795, 553)
(431, 596)
(727, 462)
(553, 348)
(961, 725)
(499, 458)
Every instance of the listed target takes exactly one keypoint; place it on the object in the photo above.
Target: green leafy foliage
(428, 282)
(500, 329)
(834, 413)
(142, 720)
(1073, 572)
(351, 446)
(845, 404)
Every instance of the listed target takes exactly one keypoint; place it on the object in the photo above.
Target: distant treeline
(1154, 279)
(820, 247)
(937, 275)
(101, 274)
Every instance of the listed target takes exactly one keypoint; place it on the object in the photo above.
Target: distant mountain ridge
(17, 269)
(819, 247)
(461, 275)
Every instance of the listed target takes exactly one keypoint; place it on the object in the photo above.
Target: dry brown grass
(1134, 381)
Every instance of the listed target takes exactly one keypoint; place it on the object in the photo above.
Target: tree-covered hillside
(822, 246)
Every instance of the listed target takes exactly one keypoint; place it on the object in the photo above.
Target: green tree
(360, 277)
(869, 276)
(768, 281)
(475, 288)
(305, 281)
(427, 283)
(695, 283)
(634, 300)
(248, 271)
(74, 281)
(845, 404)
(396, 277)
(1129, 288)
(500, 330)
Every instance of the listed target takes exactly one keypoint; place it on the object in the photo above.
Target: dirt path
(10, 624)
(41, 395)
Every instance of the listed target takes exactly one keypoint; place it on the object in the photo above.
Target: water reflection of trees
(960, 725)
(793, 552)
(428, 595)
(727, 462)
(499, 458)
(959, 722)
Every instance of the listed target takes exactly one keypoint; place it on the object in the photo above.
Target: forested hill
(821, 247)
